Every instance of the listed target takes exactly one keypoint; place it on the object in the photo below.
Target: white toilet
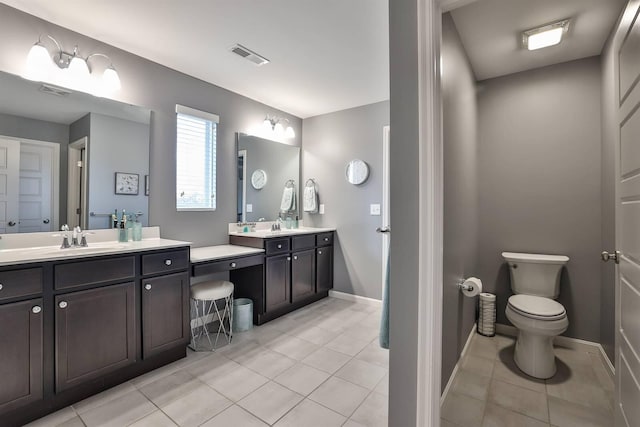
(535, 281)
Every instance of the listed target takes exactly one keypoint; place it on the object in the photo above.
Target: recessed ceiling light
(545, 36)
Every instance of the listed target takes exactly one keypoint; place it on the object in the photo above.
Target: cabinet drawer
(325, 239)
(303, 242)
(75, 274)
(277, 246)
(226, 265)
(165, 261)
(18, 283)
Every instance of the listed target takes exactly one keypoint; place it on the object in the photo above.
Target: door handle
(11, 223)
(383, 230)
(615, 256)
(46, 221)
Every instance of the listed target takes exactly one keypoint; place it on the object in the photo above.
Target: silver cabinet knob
(319, 252)
(167, 262)
(295, 257)
(147, 286)
(288, 258)
(279, 246)
(62, 304)
(36, 309)
(233, 265)
(1, 286)
(326, 239)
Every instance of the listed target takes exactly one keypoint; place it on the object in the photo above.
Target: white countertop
(52, 253)
(285, 232)
(210, 253)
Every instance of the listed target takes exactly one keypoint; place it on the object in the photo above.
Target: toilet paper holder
(464, 286)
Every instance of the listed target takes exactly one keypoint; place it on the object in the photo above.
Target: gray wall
(116, 145)
(281, 162)
(330, 142)
(539, 177)
(159, 88)
(460, 138)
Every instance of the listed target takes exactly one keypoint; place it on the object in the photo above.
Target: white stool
(209, 293)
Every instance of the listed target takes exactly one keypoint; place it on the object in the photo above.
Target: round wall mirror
(357, 171)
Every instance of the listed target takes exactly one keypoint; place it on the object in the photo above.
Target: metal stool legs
(212, 313)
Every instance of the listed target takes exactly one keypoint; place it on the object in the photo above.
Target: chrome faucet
(65, 237)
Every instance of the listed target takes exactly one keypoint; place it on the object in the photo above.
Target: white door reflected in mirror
(357, 172)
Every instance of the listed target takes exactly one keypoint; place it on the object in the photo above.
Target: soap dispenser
(136, 234)
(123, 236)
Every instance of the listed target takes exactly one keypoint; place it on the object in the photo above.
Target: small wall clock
(258, 179)
(357, 172)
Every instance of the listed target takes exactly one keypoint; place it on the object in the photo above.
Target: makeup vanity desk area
(280, 273)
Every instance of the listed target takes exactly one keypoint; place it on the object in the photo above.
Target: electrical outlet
(321, 209)
(374, 209)
(249, 208)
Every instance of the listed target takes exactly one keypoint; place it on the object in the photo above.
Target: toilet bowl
(535, 281)
(538, 320)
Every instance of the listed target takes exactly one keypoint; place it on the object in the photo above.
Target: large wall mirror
(268, 179)
(61, 155)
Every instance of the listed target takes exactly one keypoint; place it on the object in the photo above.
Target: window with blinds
(195, 159)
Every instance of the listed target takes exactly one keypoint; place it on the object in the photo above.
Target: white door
(37, 188)
(9, 183)
(628, 232)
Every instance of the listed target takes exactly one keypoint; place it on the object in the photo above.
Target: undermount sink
(58, 251)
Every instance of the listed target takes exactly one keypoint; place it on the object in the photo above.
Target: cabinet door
(324, 269)
(20, 354)
(95, 333)
(165, 313)
(278, 282)
(303, 275)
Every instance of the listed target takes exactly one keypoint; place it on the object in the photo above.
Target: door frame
(74, 148)
(242, 154)
(386, 208)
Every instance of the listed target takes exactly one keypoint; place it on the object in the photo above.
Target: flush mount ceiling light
(70, 69)
(273, 124)
(545, 36)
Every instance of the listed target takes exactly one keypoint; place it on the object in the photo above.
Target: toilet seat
(539, 308)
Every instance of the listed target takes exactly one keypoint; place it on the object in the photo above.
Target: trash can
(242, 314)
(487, 315)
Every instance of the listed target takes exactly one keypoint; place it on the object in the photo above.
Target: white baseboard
(355, 298)
(455, 368)
(567, 342)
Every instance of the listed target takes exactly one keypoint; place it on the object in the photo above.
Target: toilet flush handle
(615, 256)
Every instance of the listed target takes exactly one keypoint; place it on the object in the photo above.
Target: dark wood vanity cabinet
(95, 333)
(21, 354)
(277, 282)
(74, 327)
(303, 278)
(165, 312)
(324, 268)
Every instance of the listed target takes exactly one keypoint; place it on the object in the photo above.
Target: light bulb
(545, 39)
(78, 72)
(266, 125)
(289, 133)
(110, 80)
(38, 63)
(278, 130)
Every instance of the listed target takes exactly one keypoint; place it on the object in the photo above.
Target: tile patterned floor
(318, 366)
(490, 391)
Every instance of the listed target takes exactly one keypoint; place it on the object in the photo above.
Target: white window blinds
(195, 159)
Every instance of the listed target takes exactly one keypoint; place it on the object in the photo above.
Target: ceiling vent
(249, 55)
(54, 90)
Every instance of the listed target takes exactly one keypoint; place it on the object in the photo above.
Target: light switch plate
(321, 209)
(374, 209)
(249, 208)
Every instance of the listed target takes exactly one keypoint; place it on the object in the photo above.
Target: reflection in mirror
(59, 154)
(267, 170)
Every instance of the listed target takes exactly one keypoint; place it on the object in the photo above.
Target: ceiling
(491, 32)
(325, 55)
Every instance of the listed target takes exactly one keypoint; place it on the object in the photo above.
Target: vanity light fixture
(69, 69)
(273, 124)
(545, 36)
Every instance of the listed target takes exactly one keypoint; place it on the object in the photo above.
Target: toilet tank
(535, 274)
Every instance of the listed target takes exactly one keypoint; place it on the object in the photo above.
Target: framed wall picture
(127, 183)
(146, 185)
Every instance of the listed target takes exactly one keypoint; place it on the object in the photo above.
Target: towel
(384, 320)
(310, 198)
(288, 202)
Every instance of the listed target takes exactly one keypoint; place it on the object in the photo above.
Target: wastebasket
(242, 314)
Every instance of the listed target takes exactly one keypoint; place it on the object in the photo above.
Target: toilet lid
(536, 306)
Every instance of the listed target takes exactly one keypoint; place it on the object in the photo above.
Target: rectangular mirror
(69, 158)
(268, 179)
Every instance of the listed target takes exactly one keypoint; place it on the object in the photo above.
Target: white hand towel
(310, 199)
(287, 202)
